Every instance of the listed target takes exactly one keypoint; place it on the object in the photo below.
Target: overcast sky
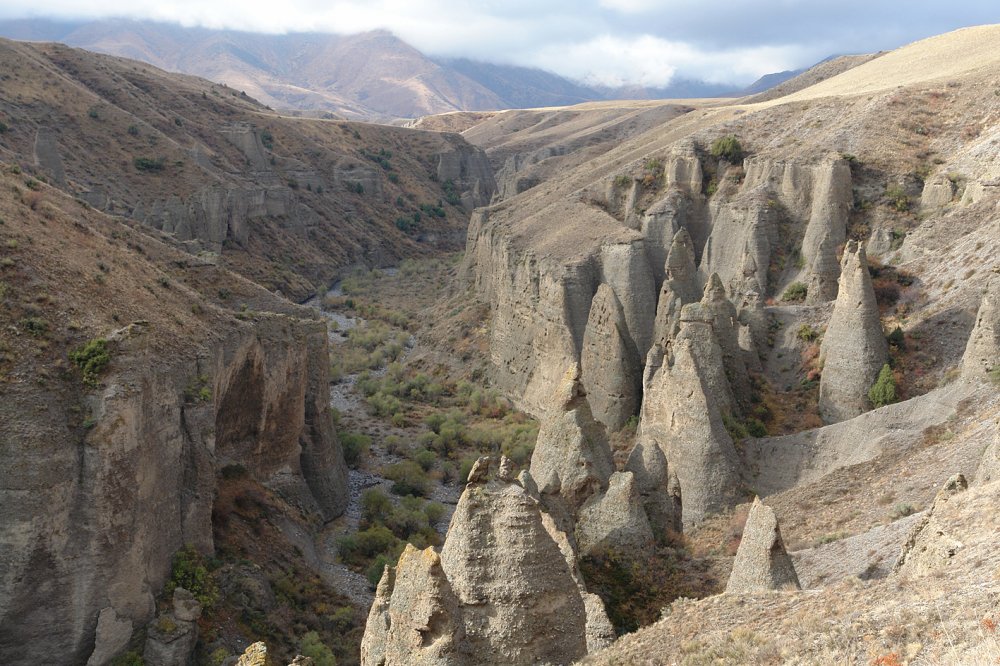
(599, 41)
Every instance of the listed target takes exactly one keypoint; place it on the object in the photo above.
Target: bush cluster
(91, 358)
(727, 148)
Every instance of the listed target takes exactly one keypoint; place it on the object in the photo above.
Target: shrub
(189, 571)
(355, 447)
(366, 544)
(896, 338)
(377, 568)
(883, 391)
(426, 459)
(148, 163)
(130, 658)
(728, 148)
(897, 198)
(317, 650)
(408, 479)
(795, 293)
(902, 510)
(756, 428)
(91, 359)
(807, 333)
(376, 506)
(36, 326)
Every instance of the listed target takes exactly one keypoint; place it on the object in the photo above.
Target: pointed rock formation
(698, 327)
(626, 270)
(611, 372)
(761, 561)
(726, 329)
(505, 589)
(929, 546)
(415, 618)
(680, 267)
(854, 347)
(572, 457)
(832, 197)
(659, 491)
(615, 520)
(686, 425)
(982, 352)
(520, 601)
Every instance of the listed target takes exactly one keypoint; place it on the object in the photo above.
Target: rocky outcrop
(98, 514)
(610, 370)
(468, 168)
(761, 561)
(254, 655)
(171, 639)
(725, 328)
(415, 618)
(681, 417)
(110, 638)
(502, 580)
(626, 270)
(572, 458)
(930, 546)
(982, 352)
(826, 230)
(680, 267)
(659, 489)
(854, 349)
(615, 520)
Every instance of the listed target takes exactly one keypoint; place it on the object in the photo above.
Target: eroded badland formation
(712, 382)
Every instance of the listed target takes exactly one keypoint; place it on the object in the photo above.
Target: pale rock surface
(572, 457)
(600, 631)
(725, 327)
(680, 267)
(761, 561)
(186, 607)
(982, 352)
(112, 636)
(826, 230)
(626, 270)
(698, 328)
(854, 349)
(680, 418)
(930, 545)
(415, 618)
(615, 520)
(611, 373)
(254, 655)
(170, 641)
(520, 602)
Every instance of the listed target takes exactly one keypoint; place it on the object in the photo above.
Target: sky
(609, 42)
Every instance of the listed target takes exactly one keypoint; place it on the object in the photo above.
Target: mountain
(368, 76)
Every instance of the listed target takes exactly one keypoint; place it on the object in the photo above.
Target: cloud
(650, 61)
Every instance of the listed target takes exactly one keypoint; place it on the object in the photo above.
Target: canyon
(759, 339)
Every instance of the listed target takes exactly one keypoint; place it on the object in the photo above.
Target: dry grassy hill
(289, 202)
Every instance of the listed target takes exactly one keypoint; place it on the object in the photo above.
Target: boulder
(762, 563)
(186, 607)
(254, 655)
(930, 547)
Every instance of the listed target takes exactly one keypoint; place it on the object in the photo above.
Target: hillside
(290, 203)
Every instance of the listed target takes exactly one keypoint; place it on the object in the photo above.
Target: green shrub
(426, 459)
(375, 570)
(376, 506)
(91, 359)
(795, 293)
(408, 479)
(898, 198)
(756, 428)
(728, 148)
(883, 391)
(366, 544)
(130, 658)
(36, 326)
(902, 510)
(316, 649)
(148, 163)
(897, 338)
(355, 447)
(807, 333)
(189, 571)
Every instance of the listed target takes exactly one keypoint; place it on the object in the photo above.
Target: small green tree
(883, 391)
(728, 148)
(91, 359)
(320, 652)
